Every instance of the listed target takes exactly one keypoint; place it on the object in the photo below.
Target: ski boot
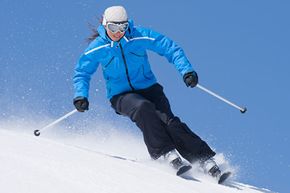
(209, 166)
(176, 162)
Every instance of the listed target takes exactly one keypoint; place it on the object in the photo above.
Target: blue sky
(240, 50)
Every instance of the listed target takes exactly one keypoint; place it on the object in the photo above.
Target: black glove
(190, 79)
(81, 104)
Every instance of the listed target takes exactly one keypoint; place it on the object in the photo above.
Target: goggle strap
(104, 21)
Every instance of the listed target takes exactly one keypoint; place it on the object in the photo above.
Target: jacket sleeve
(168, 48)
(84, 69)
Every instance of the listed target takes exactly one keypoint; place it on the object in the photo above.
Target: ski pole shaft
(37, 131)
(243, 110)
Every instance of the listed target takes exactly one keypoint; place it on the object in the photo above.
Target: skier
(120, 48)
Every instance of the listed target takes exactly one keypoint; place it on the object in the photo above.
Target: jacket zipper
(126, 67)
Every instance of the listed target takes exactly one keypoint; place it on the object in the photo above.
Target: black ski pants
(162, 131)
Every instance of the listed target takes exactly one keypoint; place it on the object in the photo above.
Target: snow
(30, 164)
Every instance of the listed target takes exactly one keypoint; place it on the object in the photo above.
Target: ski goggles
(115, 27)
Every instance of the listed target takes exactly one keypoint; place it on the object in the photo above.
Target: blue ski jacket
(125, 63)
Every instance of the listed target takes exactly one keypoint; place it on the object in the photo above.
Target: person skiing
(132, 88)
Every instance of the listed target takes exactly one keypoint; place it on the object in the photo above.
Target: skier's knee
(142, 110)
(144, 107)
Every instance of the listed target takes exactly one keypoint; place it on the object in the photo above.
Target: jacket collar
(102, 31)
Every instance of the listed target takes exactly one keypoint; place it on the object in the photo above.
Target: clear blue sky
(239, 48)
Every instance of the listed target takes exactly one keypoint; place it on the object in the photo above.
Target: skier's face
(116, 30)
(115, 36)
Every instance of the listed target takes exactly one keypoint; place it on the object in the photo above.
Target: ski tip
(36, 132)
(224, 177)
(183, 170)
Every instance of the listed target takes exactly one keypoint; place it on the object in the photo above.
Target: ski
(224, 177)
(183, 170)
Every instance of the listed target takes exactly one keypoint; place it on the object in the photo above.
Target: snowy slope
(31, 164)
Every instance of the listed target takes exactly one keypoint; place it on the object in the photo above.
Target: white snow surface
(30, 164)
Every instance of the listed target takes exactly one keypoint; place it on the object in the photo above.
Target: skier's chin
(117, 38)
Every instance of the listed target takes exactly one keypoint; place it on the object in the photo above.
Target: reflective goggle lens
(115, 27)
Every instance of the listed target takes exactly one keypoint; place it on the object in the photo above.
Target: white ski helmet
(115, 14)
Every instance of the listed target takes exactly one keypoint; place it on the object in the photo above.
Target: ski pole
(243, 110)
(37, 131)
